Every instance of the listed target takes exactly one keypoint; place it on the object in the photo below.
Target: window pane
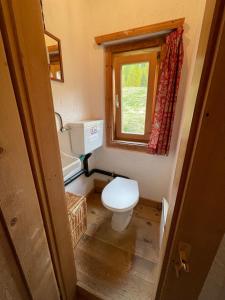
(134, 87)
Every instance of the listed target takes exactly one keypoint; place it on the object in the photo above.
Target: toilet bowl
(120, 196)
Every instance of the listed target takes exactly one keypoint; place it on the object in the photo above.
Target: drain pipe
(88, 173)
(99, 171)
(74, 177)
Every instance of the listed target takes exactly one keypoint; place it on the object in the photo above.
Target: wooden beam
(139, 31)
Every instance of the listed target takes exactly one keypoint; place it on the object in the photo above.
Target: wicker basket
(77, 213)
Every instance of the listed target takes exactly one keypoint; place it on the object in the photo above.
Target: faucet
(62, 128)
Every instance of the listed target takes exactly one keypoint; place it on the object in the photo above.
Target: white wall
(66, 19)
(82, 94)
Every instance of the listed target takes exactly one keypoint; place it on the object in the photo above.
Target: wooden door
(199, 225)
(20, 212)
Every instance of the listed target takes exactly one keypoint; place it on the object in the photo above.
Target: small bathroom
(122, 141)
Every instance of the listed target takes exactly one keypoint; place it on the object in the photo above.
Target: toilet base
(120, 220)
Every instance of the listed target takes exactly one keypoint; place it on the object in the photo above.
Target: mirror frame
(60, 56)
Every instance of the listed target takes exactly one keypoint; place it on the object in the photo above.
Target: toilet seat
(120, 194)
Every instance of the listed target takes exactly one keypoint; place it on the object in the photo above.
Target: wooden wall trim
(28, 65)
(139, 31)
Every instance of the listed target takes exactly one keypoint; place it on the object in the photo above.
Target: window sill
(127, 145)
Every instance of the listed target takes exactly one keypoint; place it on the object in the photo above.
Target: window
(131, 79)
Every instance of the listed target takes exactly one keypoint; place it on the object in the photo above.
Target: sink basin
(70, 165)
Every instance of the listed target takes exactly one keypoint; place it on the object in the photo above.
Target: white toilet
(120, 196)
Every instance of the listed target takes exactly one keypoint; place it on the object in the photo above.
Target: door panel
(19, 205)
(201, 223)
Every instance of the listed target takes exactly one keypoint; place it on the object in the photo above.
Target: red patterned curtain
(166, 95)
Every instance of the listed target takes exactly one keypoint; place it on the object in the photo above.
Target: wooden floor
(118, 266)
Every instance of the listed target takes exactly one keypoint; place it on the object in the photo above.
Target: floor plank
(119, 265)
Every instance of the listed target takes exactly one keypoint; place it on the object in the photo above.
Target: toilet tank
(86, 136)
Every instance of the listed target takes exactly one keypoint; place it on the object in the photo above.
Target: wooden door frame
(20, 212)
(14, 282)
(23, 37)
(197, 117)
(35, 105)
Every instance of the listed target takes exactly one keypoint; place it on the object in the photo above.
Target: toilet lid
(120, 194)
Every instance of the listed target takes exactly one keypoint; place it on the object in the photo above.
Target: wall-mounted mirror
(53, 47)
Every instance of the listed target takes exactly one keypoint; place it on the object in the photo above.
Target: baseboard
(152, 203)
(99, 185)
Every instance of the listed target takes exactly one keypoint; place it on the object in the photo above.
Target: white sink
(70, 164)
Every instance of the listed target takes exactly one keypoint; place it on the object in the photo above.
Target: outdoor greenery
(135, 75)
(134, 95)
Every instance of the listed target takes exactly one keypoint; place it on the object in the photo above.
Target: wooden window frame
(126, 40)
(114, 138)
(118, 62)
(139, 32)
